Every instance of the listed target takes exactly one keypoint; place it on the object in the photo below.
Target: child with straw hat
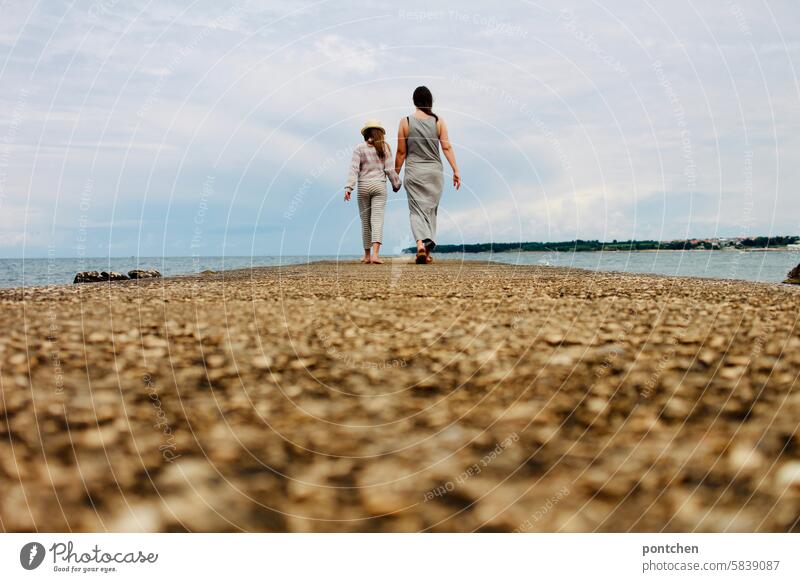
(370, 165)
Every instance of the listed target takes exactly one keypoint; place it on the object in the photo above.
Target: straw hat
(372, 123)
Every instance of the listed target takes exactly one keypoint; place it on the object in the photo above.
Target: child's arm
(388, 168)
(352, 175)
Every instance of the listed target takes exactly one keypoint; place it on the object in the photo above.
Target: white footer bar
(401, 557)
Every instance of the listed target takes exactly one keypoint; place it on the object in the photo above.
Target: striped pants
(371, 207)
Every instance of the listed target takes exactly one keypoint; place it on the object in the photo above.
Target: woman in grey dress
(418, 141)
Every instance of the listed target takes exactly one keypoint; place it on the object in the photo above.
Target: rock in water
(98, 276)
(143, 274)
(793, 276)
(88, 277)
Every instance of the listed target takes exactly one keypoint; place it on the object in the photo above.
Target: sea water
(760, 266)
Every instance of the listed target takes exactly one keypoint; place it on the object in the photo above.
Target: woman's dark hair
(423, 99)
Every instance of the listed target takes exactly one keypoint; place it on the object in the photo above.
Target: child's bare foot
(376, 249)
(365, 259)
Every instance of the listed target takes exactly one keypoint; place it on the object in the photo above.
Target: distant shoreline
(723, 250)
(756, 243)
(662, 250)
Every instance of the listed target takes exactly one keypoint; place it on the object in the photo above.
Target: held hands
(456, 180)
(347, 195)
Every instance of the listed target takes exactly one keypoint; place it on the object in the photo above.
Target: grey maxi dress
(424, 178)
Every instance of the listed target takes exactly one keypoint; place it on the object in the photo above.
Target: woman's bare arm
(447, 148)
(402, 135)
(389, 170)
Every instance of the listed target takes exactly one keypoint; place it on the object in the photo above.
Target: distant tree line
(762, 242)
(615, 245)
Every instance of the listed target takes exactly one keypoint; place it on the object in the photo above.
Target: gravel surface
(397, 397)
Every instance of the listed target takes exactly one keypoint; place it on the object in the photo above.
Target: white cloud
(349, 55)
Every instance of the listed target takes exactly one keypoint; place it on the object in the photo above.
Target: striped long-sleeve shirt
(366, 165)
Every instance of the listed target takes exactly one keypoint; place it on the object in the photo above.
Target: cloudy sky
(161, 128)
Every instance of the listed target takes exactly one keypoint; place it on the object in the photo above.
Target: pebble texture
(446, 397)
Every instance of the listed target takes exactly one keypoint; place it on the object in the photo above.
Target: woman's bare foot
(365, 259)
(377, 261)
(422, 253)
(428, 258)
